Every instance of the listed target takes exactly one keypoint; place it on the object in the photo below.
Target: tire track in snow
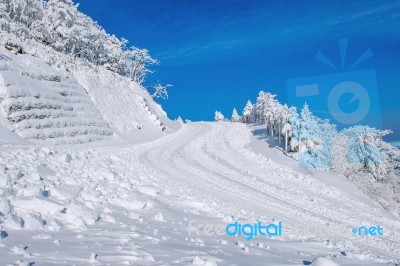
(188, 160)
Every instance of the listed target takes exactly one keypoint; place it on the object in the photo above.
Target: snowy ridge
(47, 105)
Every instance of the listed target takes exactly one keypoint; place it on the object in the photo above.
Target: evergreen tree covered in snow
(327, 134)
(270, 112)
(309, 137)
(219, 117)
(235, 116)
(315, 137)
(248, 114)
(260, 107)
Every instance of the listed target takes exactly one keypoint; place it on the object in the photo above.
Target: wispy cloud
(226, 31)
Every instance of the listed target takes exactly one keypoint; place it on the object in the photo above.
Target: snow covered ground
(44, 103)
(121, 203)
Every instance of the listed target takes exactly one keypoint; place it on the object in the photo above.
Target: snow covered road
(133, 204)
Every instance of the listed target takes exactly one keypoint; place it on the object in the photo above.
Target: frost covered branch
(160, 91)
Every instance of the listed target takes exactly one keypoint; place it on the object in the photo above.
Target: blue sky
(220, 53)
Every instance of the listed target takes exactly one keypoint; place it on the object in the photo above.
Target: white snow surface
(124, 104)
(73, 104)
(124, 203)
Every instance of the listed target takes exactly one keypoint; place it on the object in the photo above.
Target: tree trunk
(279, 133)
(286, 141)
(272, 130)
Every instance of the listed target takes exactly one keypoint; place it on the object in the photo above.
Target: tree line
(317, 143)
(59, 24)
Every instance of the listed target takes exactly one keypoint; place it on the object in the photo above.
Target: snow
(321, 261)
(123, 104)
(44, 103)
(6, 132)
(131, 204)
(199, 261)
(47, 104)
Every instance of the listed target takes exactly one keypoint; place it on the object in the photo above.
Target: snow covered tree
(312, 138)
(160, 91)
(327, 133)
(365, 146)
(179, 120)
(283, 116)
(235, 116)
(287, 127)
(270, 111)
(295, 126)
(313, 151)
(59, 24)
(308, 129)
(260, 107)
(138, 60)
(248, 113)
(219, 117)
(361, 149)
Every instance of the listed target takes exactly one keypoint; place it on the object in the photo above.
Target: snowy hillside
(124, 104)
(358, 153)
(44, 104)
(65, 80)
(147, 204)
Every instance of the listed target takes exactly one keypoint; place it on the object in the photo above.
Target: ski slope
(132, 204)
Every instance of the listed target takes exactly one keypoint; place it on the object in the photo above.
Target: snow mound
(207, 262)
(45, 104)
(323, 261)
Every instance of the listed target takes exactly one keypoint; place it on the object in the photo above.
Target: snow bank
(44, 104)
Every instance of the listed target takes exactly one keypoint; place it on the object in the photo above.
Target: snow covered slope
(132, 204)
(46, 105)
(55, 106)
(124, 104)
